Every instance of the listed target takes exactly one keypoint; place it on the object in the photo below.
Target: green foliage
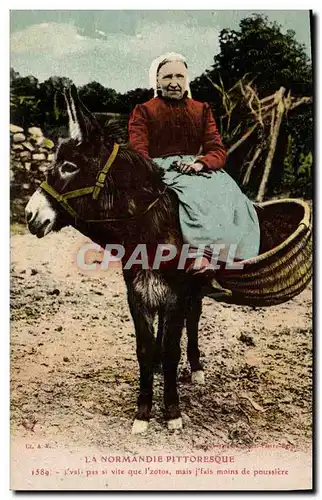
(272, 58)
(57, 111)
(303, 184)
(289, 173)
(261, 49)
(305, 168)
(130, 99)
(53, 116)
(294, 178)
(48, 143)
(98, 98)
(101, 99)
(24, 99)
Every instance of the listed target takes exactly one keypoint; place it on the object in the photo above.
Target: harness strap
(120, 219)
(100, 181)
(63, 198)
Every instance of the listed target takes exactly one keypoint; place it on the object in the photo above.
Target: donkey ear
(81, 121)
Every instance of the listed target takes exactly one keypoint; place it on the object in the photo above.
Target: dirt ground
(74, 374)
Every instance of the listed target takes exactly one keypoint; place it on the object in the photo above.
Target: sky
(116, 48)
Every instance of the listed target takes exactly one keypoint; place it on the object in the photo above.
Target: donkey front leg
(192, 323)
(145, 349)
(158, 342)
(172, 330)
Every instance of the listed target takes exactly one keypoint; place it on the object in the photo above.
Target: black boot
(209, 286)
(212, 289)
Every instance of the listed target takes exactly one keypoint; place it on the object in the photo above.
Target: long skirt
(213, 211)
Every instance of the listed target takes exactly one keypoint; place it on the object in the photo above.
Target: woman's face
(172, 79)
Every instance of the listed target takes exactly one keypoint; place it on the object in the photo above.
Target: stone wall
(30, 155)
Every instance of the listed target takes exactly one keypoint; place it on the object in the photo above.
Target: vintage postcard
(161, 250)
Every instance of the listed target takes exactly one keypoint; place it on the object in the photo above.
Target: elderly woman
(180, 135)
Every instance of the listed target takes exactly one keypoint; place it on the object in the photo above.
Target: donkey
(112, 194)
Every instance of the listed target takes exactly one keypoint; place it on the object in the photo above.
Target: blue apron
(213, 210)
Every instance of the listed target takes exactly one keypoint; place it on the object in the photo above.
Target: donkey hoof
(139, 426)
(175, 423)
(198, 377)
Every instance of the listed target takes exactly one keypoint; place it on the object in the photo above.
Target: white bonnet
(168, 57)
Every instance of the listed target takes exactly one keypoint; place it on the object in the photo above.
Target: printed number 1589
(40, 472)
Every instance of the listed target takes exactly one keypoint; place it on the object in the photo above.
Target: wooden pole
(270, 108)
(272, 145)
(251, 165)
(242, 139)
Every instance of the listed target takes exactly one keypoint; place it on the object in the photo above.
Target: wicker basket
(283, 267)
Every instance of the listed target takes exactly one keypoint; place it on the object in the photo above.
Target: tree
(271, 59)
(262, 50)
(99, 98)
(24, 99)
(130, 99)
(53, 110)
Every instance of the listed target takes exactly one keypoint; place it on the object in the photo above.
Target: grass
(17, 228)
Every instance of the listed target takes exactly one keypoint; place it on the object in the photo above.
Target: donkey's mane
(133, 157)
(148, 180)
(115, 129)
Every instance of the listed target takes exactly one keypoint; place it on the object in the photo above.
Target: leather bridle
(62, 199)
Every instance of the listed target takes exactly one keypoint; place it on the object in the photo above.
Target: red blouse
(162, 127)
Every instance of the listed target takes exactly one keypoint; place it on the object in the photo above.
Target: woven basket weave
(283, 267)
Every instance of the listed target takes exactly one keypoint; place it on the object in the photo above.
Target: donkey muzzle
(40, 216)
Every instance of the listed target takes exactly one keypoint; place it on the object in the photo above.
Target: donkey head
(77, 161)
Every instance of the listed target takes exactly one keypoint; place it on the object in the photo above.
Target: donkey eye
(68, 168)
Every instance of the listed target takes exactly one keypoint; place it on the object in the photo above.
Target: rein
(62, 199)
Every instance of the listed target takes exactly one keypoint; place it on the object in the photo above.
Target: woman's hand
(189, 167)
(197, 166)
